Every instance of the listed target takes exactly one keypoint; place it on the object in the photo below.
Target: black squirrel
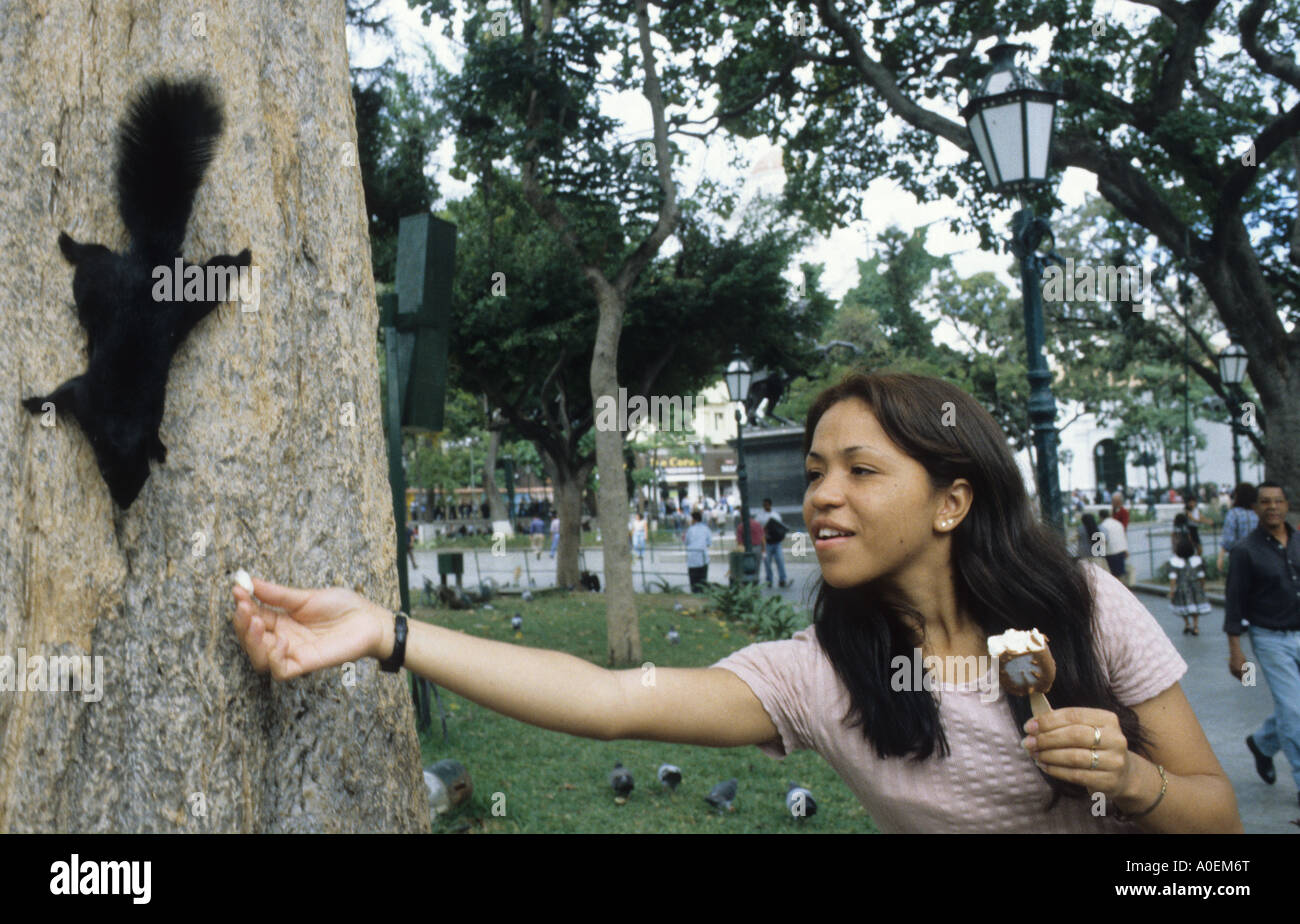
(164, 146)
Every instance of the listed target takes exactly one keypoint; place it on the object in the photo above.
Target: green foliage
(773, 619)
(397, 132)
(769, 618)
(524, 325)
(891, 315)
(789, 74)
(663, 586)
(732, 600)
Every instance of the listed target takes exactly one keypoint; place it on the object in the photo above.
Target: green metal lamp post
(1232, 370)
(738, 377)
(1010, 118)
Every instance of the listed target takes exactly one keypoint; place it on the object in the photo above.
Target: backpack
(774, 531)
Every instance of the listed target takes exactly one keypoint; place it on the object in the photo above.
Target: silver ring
(1096, 735)
(1093, 765)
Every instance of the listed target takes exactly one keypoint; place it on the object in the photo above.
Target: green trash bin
(744, 567)
(451, 563)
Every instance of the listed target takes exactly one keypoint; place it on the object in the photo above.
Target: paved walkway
(1227, 711)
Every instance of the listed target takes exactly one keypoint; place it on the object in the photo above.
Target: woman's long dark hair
(1011, 572)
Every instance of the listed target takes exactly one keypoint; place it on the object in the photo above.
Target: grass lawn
(556, 783)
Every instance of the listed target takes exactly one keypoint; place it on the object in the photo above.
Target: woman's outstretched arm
(313, 629)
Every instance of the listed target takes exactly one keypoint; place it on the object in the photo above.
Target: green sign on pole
(414, 323)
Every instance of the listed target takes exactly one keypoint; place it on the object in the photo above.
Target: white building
(1086, 442)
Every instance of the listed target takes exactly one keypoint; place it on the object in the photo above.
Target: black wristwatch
(393, 663)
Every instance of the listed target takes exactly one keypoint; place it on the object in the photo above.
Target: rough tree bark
(276, 456)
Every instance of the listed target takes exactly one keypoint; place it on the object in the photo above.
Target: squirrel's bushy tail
(163, 149)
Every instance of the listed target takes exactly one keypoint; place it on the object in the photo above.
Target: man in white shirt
(1116, 543)
(697, 540)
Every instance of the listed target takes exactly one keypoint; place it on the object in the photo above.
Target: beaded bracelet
(1164, 786)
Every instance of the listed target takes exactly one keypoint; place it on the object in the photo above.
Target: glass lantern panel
(981, 140)
(1039, 126)
(1007, 134)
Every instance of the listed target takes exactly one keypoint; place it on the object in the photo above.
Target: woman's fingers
(288, 598)
(269, 616)
(257, 644)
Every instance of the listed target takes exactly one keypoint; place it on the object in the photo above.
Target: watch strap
(393, 663)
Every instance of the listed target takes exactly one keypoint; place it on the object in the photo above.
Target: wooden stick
(1038, 704)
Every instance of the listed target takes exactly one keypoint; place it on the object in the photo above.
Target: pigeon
(527, 596)
(670, 776)
(673, 637)
(517, 622)
(621, 780)
(721, 796)
(800, 802)
(677, 607)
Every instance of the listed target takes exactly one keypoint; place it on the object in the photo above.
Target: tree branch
(1171, 8)
(668, 210)
(1277, 133)
(880, 79)
(1282, 68)
(1191, 19)
(1126, 188)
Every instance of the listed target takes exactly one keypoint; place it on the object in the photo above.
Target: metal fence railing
(664, 560)
(1153, 550)
(1150, 545)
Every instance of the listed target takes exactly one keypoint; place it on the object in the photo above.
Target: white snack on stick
(1026, 666)
(244, 581)
(1018, 641)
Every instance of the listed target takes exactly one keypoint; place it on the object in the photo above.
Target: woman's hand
(1061, 743)
(311, 629)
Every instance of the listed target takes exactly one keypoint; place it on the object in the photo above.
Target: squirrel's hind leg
(73, 252)
(66, 399)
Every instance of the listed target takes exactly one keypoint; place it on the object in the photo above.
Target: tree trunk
(569, 484)
(623, 633)
(275, 456)
(1282, 413)
(1233, 278)
(497, 507)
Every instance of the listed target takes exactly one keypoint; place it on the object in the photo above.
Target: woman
(938, 548)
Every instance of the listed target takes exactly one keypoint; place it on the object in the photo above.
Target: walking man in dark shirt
(1264, 590)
